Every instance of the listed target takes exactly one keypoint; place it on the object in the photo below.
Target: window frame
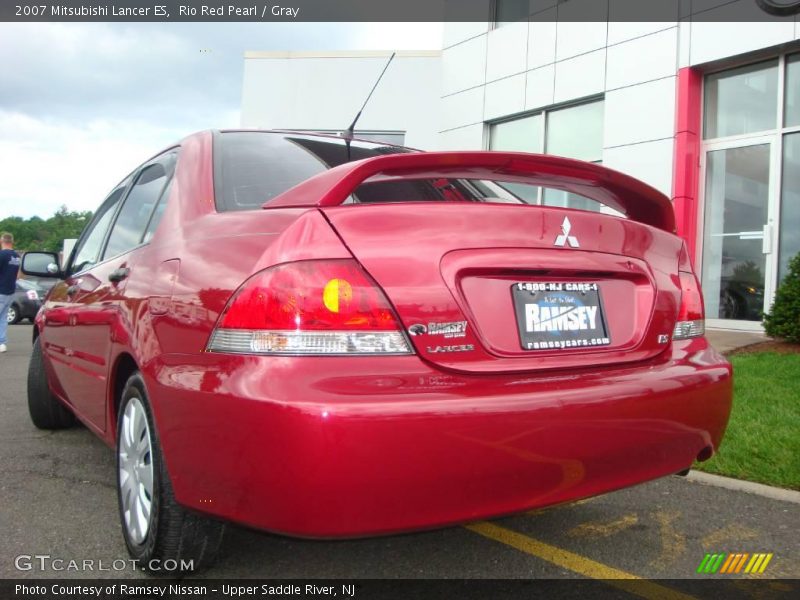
(774, 136)
(169, 159)
(99, 214)
(544, 113)
(129, 181)
(780, 69)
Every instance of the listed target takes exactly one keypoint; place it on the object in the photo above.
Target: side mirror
(41, 264)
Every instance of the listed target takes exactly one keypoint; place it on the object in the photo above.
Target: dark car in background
(27, 299)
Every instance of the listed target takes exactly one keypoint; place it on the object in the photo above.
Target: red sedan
(328, 338)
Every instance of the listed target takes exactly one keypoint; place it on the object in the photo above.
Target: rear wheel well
(125, 367)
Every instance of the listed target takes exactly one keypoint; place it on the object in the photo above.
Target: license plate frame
(567, 315)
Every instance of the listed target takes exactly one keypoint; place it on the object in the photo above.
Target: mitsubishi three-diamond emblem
(565, 237)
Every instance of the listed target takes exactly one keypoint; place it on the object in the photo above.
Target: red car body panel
(491, 247)
(322, 448)
(359, 445)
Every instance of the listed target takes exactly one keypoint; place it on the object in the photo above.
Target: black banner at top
(395, 10)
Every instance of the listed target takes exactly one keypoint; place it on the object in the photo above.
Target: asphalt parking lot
(57, 498)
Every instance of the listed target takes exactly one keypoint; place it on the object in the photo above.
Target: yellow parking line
(577, 563)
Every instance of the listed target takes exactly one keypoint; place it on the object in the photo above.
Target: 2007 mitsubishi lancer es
(328, 337)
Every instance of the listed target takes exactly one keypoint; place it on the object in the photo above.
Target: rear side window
(129, 228)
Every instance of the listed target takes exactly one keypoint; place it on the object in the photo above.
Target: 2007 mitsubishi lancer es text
(329, 338)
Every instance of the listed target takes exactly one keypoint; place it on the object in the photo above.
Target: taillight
(691, 314)
(310, 307)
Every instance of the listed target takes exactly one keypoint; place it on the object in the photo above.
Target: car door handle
(118, 275)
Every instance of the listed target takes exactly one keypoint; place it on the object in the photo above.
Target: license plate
(555, 315)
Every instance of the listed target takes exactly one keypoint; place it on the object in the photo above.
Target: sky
(82, 104)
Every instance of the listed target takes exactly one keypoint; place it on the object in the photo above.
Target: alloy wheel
(136, 471)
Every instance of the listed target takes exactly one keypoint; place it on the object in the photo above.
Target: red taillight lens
(691, 299)
(310, 307)
(691, 313)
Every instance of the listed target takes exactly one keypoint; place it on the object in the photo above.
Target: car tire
(46, 411)
(13, 315)
(161, 535)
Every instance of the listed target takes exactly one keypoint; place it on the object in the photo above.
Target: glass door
(738, 266)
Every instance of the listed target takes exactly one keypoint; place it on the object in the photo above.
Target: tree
(36, 233)
(784, 319)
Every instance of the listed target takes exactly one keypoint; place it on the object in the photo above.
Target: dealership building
(704, 110)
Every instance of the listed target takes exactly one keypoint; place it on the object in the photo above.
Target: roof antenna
(347, 134)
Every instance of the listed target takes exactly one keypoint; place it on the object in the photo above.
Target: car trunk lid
(489, 287)
(461, 277)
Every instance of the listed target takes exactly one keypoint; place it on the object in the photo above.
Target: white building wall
(525, 67)
(303, 90)
(491, 73)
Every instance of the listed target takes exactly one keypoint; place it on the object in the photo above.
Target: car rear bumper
(329, 447)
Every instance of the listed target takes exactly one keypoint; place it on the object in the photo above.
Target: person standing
(9, 269)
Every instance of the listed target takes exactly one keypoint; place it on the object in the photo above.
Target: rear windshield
(252, 168)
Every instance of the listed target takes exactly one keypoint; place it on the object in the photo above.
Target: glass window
(130, 225)
(576, 132)
(564, 199)
(251, 168)
(792, 108)
(91, 241)
(743, 100)
(155, 219)
(508, 11)
(519, 135)
(790, 204)
(734, 266)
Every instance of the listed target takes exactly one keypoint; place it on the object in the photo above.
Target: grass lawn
(762, 442)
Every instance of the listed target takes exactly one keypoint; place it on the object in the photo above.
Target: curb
(749, 487)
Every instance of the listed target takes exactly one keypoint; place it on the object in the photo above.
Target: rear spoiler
(634, 198)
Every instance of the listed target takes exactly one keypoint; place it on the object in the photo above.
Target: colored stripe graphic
(764, 564)
(703, 563)
(711, 563)
(754, 562)
(714, 566)
(731, 558)
(734, 562)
